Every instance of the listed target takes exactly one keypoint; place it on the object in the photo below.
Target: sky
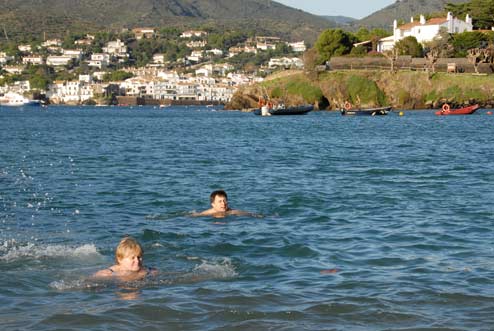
(350, 8)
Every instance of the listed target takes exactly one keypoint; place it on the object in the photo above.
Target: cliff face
(402, 90)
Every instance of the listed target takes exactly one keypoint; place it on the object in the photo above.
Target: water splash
(11, 251)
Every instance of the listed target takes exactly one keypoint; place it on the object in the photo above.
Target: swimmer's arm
(153, 271)
(207, 212)
(237, 212)
(103, 274)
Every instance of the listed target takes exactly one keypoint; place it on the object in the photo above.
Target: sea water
(362, 223)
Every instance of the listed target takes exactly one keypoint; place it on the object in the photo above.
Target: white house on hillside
(425, 31)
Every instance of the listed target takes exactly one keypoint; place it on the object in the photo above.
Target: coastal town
(135, 67)
(203, 76)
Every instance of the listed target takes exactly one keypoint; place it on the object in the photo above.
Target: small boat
(282, 110)
(12, 99)
(446, 110)
(366, 111)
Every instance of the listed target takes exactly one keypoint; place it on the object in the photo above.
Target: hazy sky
(350, 8)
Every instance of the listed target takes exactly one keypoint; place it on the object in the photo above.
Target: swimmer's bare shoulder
(208, 212)
(103, 274)
(231, 212)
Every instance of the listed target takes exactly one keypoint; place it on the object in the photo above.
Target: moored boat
(12, 99)
(282, 110)
(348, 110)
(446, 110)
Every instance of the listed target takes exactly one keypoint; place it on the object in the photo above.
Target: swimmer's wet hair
(213, 195)
(128, 246)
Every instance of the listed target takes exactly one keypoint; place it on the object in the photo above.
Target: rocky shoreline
(401, 90)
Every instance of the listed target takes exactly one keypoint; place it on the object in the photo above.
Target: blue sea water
(364, 223)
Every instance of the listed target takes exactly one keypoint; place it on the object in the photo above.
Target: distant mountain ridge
(402, 10)
(55, 18)
(340, 20)
(58, 17)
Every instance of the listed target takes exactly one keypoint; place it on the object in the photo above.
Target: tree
(392, 56)
(480, 55)
(480, 10)
(440, 45)
(462, 42)
(334, 43)
(409, 46)
(432, 56)
(117, 76)
(311, 60)
(359, 51)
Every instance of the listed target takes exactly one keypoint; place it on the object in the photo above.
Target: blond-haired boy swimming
(128, 262)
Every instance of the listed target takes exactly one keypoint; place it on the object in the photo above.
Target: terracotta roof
(408, 26)
(436, 21)
(432, 21)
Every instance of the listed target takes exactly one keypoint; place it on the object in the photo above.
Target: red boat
(458, 111)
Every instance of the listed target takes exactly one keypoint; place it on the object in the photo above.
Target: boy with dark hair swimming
(219, 206)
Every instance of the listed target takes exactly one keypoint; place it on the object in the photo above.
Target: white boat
(16, 99)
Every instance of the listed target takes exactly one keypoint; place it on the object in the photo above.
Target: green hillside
(403, 10)
(54, 18)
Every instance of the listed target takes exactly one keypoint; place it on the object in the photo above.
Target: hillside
(402, 10)
(20, 18)
(340, 20)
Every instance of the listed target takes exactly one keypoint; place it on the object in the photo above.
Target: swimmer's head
(217, 193)
(128, 246)
(219, 201)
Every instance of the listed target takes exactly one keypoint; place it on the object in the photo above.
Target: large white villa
(424, 31)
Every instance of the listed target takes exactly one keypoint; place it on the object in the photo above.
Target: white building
(33, 59)
(85, 41)
(99, 60)
(215, 52)
(193, 33)
(195, 56)
(24, 48)
(4, 58)
(159, 58)
(74, 53)
(144, 33)
(13, 69)
(165, 90)
(69, 92)
(286, 62)
(196, 43)
(116, 48)
(187, 90)
(425, 31)
(99, 75)
(298, 46)
(136, 86)
(52, 42)
(58, 60)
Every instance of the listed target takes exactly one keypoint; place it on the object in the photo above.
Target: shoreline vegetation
(329, 90)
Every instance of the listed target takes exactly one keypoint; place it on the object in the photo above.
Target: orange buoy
(348, 105)
(446, 107)
(489, 113)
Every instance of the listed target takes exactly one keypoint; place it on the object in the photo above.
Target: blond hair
(128, 246)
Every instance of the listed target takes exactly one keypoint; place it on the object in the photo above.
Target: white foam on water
(80, 284)
(205, 271)
(11, 251)
(216, 270)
